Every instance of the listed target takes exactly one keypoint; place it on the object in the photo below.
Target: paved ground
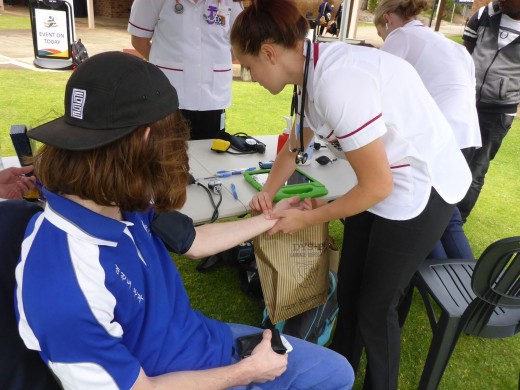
(16, 46)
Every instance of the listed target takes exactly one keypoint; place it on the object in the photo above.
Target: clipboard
(300, 183)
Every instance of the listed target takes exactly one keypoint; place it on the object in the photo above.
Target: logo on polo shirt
(145, 227)
(77, 103)
(128, 283)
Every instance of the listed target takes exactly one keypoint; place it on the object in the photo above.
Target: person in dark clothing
(325, 10)
(339, 15)
(492, 36)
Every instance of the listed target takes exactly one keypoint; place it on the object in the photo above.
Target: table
(198, 206)
(10, 161)
(338, 177)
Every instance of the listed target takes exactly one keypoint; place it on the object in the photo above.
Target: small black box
(21, 142)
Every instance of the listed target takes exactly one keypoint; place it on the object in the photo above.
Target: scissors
(231, 172)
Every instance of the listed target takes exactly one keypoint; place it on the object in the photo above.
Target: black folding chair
(480, 298)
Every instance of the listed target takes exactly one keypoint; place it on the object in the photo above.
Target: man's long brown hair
(133, 173)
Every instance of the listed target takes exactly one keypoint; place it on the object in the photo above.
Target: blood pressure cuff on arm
(176, 230)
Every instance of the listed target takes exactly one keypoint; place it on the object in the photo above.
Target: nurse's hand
(262, 202)
(312, 203)
(289, 221)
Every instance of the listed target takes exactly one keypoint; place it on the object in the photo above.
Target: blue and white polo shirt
(100, 298)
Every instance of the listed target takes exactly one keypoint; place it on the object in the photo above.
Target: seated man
(98, 294)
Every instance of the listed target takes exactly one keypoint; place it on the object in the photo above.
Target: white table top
(338, 177)
(10, 161)
(199, 207)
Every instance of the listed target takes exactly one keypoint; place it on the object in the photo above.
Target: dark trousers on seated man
(205, 124)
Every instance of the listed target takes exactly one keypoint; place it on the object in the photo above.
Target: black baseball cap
(107, 97)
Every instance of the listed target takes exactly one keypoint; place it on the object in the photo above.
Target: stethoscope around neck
(301, 156)
(179, 9)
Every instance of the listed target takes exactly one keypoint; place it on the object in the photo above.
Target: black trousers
(378, 260)
(204, 124)
(493, 129)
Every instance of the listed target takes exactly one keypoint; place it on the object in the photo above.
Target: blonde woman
(445, 67)
(448, 72)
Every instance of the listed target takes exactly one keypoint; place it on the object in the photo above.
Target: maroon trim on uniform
(362, 127)
(140, 28)
(174, 69)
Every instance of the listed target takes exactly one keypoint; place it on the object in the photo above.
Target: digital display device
(299, 183)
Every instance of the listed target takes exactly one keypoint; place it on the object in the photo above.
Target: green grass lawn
(35, 97)
(11, 22)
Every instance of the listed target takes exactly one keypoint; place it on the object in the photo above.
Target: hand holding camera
(266, 364)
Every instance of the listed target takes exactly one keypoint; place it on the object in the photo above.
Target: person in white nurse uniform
(410, 172)
(189, 41)
(448, 73)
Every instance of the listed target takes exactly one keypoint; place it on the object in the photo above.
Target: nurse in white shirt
(189, 41)
(445, 67)
(448, 73)
(410, 171)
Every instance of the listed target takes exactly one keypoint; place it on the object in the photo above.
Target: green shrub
(372, 4)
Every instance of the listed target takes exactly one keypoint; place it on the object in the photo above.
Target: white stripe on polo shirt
(74, 376)
(24, 329)
(91, 279)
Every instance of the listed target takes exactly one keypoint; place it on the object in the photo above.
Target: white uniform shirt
(358, 94)
(448, 72)
(194, 54)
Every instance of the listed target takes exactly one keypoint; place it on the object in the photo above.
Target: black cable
(301, 158)
(250, 152)
(214, 217)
